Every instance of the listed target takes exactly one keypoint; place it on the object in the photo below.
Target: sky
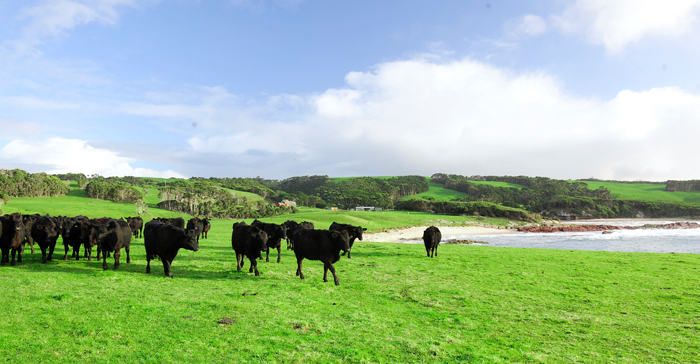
(279, 88)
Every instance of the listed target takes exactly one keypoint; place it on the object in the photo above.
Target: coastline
(416, 233)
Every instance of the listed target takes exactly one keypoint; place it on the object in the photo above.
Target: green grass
(469, 305)
(645, 192)
(438, 192)
(498, 184)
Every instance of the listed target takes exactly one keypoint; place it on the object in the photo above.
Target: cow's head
(341, 240)
(189, 241)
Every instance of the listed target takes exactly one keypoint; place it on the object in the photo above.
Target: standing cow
(197, 225)
(165, 241)
(291, 226)
(207, 227)
(116, 236)
(248, 241)
(354, 232)
(12, 238)
(323, 245)
(45, 233)
(75, 233)
(275, 234)
(136, 225)
(175, 221)
(27, 222)
(431, 239)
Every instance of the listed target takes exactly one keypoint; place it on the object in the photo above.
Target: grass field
(469, 305)
(645, 192)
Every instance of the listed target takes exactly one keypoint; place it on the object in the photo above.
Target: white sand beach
(416, 233)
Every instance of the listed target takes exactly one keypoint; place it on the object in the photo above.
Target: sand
(416, 233)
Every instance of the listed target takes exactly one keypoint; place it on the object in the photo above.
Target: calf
(431, 239)
(197, 225)
(207, 227)
(353, 232)
(275, 234)
(12, 237)
(136, 225)
(45, 233)
(323, 245)
(165, 240)
(248, 241)
(116, 236)
(27, 222)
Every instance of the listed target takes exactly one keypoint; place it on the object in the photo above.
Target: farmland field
(645, 192)
(470, 304)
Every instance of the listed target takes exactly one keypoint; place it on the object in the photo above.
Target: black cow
(275, 234)
(95, 227)
(248, 241)
(207, 227)
(12, 238)
(431, 239)
(323, 245)
(136, 225)
(291, 226)
(176, 221)
(165, 241)
(45, 232)
(116, 236)
(75, 233)
(197, 225)
(353, 232)
(27, 222)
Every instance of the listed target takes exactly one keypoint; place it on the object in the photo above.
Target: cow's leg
(166, 267)
(14, 251)
(19, 255)
(104, 261)
(332, 269)
(436, 250)
(254, 267)
(65, 257)
(43, 255)
(2, 260)
(238, 262)
(128, 257)
(87, 250)
(279, 252)
(325, 272)
(117, 254)
(267, 256)
(299, 272)
(148, 263)
(52, 247)
(76, 252)
(89, 253)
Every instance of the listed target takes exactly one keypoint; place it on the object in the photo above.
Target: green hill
(644, 192)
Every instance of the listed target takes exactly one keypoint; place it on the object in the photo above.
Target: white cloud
(60, 155)
(52, 19)
(616, 24)
(531, 25)
(419, 116)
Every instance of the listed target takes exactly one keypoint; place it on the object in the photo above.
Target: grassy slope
(645, 192)
(471, 304)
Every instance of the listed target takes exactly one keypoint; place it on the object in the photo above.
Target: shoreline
(416, 233)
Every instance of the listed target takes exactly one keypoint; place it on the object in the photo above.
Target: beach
(416, 233)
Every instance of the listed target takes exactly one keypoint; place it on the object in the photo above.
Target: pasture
(644, 192)
(470, 304)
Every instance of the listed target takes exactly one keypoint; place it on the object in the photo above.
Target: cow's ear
(364, 229)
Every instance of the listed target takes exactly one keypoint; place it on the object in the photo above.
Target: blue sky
(281, 88)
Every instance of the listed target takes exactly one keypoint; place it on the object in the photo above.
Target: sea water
(642, 240)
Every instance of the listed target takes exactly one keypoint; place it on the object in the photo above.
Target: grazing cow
(353, 232)
(45, 233)
(12, 238)
(207, 227)
(197, 225)
(136, 225)
(275, 234)
(431, 239)
(176, 221)
(165, 240)
(116, 236)
(75, 233)
(248, 241)
(323, 245)
(27, 222)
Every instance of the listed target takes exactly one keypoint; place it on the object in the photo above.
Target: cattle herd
(164, 237)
